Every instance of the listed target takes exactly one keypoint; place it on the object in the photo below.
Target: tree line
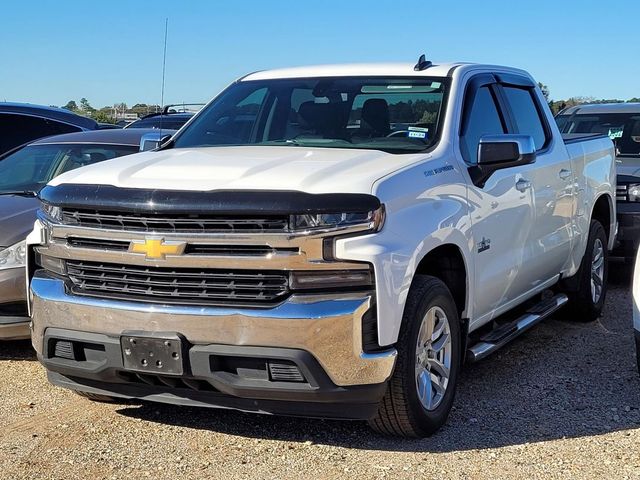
(109, 113)
(557, 106)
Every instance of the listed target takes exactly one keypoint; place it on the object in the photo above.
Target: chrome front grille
(621, 192)
(176, 223)
(177, 286)
(215, 250)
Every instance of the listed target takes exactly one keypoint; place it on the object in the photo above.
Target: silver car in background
(23, 172)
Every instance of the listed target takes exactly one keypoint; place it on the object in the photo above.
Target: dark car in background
(21, 123)
(23, 172)
(172, 117)
(621, 122)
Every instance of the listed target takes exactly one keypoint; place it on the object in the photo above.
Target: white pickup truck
(328, 241)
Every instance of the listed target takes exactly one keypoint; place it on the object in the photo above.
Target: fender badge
(436, 171)
(484, 244)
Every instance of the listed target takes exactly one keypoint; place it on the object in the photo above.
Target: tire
(96, 397)
(637, 339)
(403, 411)
(584, 305)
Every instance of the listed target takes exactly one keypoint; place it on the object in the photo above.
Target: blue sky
(111, 51)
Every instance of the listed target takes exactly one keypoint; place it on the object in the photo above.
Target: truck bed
(579, 137)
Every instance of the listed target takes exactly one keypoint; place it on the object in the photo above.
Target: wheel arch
(603, 211)
(448, 264)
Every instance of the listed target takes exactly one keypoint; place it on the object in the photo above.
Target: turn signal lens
(311, 280)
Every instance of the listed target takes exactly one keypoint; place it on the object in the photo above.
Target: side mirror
(152, 140)
(496, 152)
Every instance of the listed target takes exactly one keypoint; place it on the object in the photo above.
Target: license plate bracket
(153, 354)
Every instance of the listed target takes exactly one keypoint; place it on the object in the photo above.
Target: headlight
(369, 221)
(13, 256)
(51, 211)
(633, 192)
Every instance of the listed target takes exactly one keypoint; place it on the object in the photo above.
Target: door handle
(523, 185)
(564, 173)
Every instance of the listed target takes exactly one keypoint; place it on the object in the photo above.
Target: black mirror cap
(501, 149)
(496, 152)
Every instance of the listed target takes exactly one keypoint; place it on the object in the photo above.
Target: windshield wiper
(21, 193)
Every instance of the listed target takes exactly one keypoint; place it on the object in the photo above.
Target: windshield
(33, 166)
(392, 114)
(622, 128)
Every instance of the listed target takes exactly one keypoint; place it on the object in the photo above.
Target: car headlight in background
(633, 192)
(369, 221)
(13, 256)
(52, 211)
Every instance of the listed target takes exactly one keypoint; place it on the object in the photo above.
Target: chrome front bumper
(329, 327)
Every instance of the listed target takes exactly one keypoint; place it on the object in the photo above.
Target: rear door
(501, 209)
(549, 242)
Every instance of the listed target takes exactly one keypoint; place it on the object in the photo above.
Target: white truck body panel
(313, 170)
(536, 236)
(109, 272)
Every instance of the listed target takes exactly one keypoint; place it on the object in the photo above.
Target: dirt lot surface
(561, 402)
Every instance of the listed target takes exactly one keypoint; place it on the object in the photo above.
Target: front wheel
(421, 391)
(586, 303)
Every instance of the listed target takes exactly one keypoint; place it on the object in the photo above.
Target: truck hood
(628, 166)
(17, 215)
(312, 170)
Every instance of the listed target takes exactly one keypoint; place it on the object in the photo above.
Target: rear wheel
(421, 391)
(586, 303)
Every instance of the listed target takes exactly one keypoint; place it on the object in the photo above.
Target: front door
(501, 210)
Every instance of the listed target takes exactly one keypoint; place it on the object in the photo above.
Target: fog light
(64, 349)
(280, 371)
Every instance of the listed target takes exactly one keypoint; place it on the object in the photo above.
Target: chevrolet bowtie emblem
(157, 248)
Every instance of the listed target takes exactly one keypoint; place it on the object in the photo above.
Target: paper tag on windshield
(615, 133)
(417, 134)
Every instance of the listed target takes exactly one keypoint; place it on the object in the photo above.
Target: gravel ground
(563, 401)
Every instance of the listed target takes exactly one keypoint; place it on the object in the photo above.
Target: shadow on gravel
(17, 350)
(562, 379)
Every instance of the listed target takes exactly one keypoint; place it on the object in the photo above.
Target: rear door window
(526, 115)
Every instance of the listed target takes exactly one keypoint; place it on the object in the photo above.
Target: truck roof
(366, 69)
(602, 108)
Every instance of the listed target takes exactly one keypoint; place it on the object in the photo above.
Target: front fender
(416, 224)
